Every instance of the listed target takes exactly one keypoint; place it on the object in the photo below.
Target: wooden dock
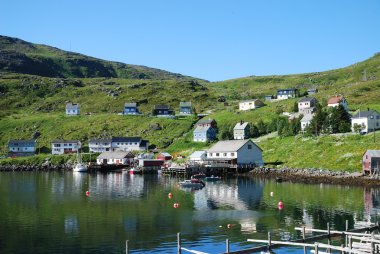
(357, 241)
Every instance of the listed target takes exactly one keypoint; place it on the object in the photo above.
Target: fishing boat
(192, 183)
(79, 165)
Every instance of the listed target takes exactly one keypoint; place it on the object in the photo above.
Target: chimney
(241, 122)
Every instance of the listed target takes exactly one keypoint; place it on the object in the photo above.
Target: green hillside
(19, 56)
(35, 103)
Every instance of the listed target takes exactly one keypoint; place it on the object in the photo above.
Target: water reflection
(52, 209)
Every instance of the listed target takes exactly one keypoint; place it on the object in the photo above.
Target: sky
(209, 39)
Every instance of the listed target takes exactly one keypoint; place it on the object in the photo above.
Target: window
(70, 144)
(224, 154)
(249, 146)
(232, 154)
(217, 154)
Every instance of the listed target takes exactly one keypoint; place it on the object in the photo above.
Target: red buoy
(280, 205)
(87, 193)
(170, 195)
(176, 205)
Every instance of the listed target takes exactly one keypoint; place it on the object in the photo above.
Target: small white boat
(193, 183)
(79, 165)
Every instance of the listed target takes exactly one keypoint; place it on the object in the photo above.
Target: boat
(192, 183)
(198, 176)
(134, 171)
(79, 165)
(212, 178)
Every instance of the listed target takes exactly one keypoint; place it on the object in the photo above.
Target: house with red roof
(336, 101)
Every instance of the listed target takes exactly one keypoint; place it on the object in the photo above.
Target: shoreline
(315, 176)
(312, 175)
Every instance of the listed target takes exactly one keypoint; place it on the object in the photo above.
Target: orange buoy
(280, 205)
(87, 193)
(176, 205)
(170, 195)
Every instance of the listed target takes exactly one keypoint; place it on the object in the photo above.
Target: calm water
(50, 212)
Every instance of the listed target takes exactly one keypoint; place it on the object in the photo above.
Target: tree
(319, 123)
(262, 127)
(358, 127)
(295, 107)
(339, 120)
(254, 131)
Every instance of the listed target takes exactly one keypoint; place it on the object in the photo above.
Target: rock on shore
(314, 175)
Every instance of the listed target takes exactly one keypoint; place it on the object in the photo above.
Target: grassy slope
(31, 103)
(19, 56)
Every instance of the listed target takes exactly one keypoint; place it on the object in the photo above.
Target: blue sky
(214, 40)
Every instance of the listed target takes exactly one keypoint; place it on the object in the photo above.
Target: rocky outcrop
(314, 175)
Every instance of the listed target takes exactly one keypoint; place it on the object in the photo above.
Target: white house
(336, 101)
(115, 158)
(307, 105)
(241, 130)
(99, 145)
(250, 104)
(128, 144)
(284, 94)
(22, 147)
(368, 120)
(235, 152)
(72, 109)
(305, 121)
(65, 146)
(197, 157)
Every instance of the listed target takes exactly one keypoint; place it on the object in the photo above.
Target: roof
(307, 118)
(307, 99)
(72, 105)
(240, 126)
(365, 114)
(373, 153)
(202, 128)
(21, 142)
(197, 154)
(126, 139)
(166, 154)
(114, 155)
(251, 100)
(95, 140)
(229, 145)
(161, 107)
(65, 141)
(288, 89)
(130, 104)
(206, 121)
(185, 104)
(335, 99)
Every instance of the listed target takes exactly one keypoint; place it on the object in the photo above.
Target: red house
(371, 161)
(164, 156)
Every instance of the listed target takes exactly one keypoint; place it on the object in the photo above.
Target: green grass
(335, 152)
(34, 103)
